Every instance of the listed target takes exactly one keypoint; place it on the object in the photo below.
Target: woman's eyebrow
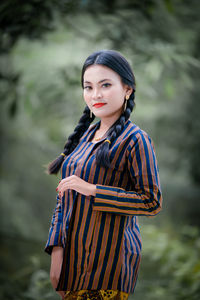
(99, 81)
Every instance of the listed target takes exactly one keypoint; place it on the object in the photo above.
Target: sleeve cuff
(48, 248)
(106, 199)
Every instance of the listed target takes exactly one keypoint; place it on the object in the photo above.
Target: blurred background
(43, 45)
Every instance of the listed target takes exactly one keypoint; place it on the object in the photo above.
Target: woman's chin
(102, 115)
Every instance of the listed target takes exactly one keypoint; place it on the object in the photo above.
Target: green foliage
(40, 287)
(24, 267)
(170, 264)
(30, 19)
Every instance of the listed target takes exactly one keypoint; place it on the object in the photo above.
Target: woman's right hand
(56, 265)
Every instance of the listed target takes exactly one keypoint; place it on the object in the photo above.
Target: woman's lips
(97, 105)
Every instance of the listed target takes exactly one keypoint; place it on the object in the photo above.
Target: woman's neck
(106, 123)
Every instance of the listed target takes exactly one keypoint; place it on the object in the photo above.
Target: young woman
(109, 178)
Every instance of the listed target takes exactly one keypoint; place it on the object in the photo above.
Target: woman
(109, 177)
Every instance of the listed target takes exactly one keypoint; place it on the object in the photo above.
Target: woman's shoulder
(135, 131)
(136, 134)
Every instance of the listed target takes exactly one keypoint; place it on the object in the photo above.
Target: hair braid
(72, 141)
(102, 155)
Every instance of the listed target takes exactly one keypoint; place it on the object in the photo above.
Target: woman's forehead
(96, 73)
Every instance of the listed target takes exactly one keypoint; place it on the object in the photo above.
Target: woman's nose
(96, 94)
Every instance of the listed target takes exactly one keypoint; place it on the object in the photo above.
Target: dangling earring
(125, 104)
(90, 114)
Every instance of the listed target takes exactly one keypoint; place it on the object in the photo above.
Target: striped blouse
(100, 234)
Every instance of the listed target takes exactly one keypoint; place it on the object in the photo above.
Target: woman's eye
(106, 85)
(87, 87)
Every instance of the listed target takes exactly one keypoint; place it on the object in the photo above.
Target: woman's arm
(56, 265)
(146, 198)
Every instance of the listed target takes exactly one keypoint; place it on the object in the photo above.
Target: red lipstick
(98, 105)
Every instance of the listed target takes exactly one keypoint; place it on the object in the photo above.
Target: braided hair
(102, 154)
(115, 61)
(72, 141)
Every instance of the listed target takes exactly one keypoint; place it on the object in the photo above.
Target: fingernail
(56, 189)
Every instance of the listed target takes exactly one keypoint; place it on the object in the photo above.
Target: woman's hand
(56, 265)
(76, 183)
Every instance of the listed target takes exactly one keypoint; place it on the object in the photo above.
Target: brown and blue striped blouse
(100, 234)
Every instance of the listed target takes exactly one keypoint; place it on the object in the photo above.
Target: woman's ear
(128, 90)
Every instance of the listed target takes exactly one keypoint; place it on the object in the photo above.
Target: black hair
(115, 61)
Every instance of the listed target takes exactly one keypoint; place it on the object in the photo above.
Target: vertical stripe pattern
(105, 244)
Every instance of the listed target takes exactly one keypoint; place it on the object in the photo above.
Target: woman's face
(104, 92)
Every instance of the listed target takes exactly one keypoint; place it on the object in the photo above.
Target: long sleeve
(146, 197)
(55, 231)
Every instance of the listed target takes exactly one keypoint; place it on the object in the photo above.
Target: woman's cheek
(86, 98)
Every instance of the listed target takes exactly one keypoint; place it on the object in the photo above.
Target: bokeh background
(43, 45)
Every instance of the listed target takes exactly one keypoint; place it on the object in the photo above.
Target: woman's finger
(64, 181)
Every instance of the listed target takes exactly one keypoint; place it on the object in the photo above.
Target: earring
(125, 103)
(90, 114)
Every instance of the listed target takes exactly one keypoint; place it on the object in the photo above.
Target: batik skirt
(96, 295)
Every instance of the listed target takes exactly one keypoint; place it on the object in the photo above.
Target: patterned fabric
(96, 295)
(100, 234)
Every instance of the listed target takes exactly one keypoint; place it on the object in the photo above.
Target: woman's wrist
(93, 190)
